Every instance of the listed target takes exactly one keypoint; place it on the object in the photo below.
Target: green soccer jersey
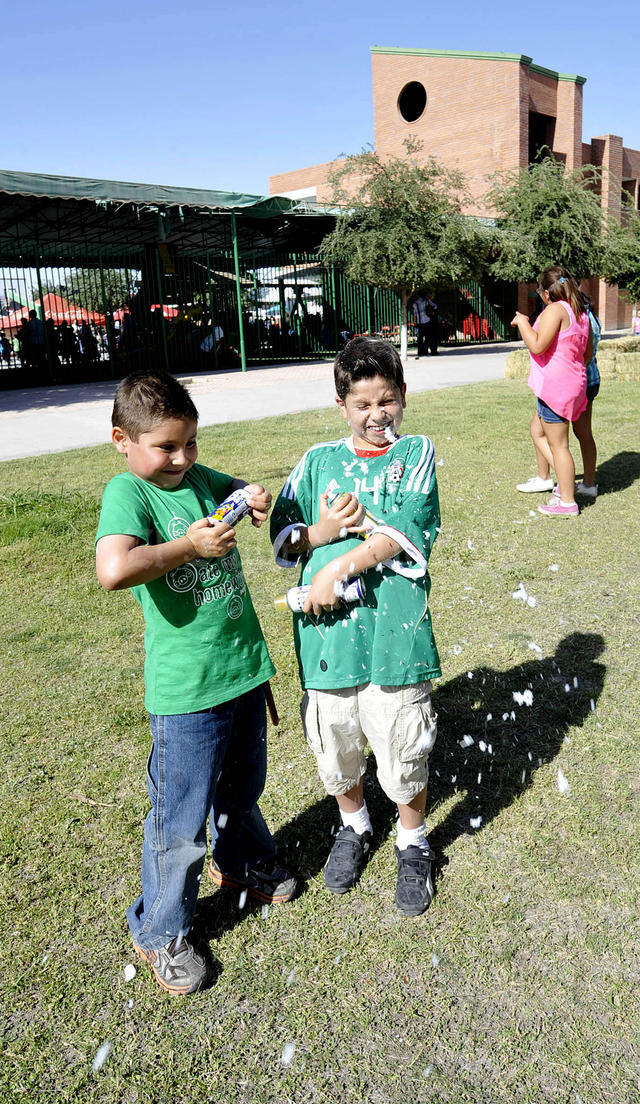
(203, 642)
(387, 638)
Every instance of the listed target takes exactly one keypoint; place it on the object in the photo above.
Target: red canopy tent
(54, 306)
(168, 312)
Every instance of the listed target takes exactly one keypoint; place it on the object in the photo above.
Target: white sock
(411, 837)
(359, 820)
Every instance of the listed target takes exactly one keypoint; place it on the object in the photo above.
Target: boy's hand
(260, 503)
(325, 590)
(211, 541)
(342, 517)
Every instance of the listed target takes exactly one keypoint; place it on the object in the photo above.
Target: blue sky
(215, 95)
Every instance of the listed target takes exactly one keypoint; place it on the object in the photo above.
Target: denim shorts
(547, 414)
(592, 391)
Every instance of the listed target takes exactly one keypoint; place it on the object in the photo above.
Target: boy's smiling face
(373, 407)
(162, 455)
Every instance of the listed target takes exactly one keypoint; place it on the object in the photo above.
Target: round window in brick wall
(412, 101)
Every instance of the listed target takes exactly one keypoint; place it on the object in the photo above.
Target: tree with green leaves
(547, 215)
(84, 287)
(402, 226)
(621, 263)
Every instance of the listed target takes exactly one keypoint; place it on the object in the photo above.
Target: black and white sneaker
(346, 860)
(414, 888)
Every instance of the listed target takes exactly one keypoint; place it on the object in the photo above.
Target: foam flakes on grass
(101, 1056)
(563, 784)
(288, 1052)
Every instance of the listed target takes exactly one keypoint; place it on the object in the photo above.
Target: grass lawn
(519, 984)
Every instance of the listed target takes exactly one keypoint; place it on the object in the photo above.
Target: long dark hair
(560, 285)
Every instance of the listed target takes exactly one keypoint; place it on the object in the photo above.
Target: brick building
(482, 113)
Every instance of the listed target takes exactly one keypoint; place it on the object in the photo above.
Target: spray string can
(232, 510)
(352, 591)
(368, 519)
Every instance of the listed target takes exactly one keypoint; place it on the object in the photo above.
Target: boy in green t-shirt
(206, 668)
(366, 668)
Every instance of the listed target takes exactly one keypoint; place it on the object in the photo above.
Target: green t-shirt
(387, 638)
(203, 642)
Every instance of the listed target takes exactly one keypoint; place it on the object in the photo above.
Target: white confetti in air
(129, 972)
(489, 716)
(288, 1052)
(457, 648)
(553, 567)
(524, 698)
(435, 960)
(592, 704)
(575, 681)
(475, 822)
(567, 688)
(563, 785)
(466, 741)
(482, 745)
(101, 1057)
(222, 820)
(534, 647)
(469, 674)
(242, 900)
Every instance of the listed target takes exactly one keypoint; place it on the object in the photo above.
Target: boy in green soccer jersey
(205, 672)
(366, 668)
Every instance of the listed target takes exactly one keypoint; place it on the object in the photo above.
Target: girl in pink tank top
(560, 344)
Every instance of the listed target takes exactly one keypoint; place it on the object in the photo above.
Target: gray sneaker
(177, 967)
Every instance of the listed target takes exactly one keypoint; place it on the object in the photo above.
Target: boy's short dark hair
(363, 358)
(145, 398)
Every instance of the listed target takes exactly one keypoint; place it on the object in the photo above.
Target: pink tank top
(558, 377)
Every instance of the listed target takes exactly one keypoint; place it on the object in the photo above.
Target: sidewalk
(38, 420)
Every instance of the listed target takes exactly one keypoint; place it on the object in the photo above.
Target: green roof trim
(143, 195)
(573, 77)
(521, 59)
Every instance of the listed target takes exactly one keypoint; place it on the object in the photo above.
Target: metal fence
(70, 318)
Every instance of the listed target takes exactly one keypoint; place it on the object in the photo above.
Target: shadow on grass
(618, 472)
(489, 746)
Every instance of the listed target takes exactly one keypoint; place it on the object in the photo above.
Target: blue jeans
(210, 764)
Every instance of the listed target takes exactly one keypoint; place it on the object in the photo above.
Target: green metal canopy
(44, 214)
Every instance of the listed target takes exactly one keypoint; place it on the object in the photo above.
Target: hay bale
(618, 359)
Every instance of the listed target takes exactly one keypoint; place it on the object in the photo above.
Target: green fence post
(334, 304)
(255, 296)
(107, 327)
(212, 312)
(165, 351)
(42, 319)
(236, 264)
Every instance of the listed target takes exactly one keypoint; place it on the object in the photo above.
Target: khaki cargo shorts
(398, 723)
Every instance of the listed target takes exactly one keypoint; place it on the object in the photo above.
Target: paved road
(52, 419)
